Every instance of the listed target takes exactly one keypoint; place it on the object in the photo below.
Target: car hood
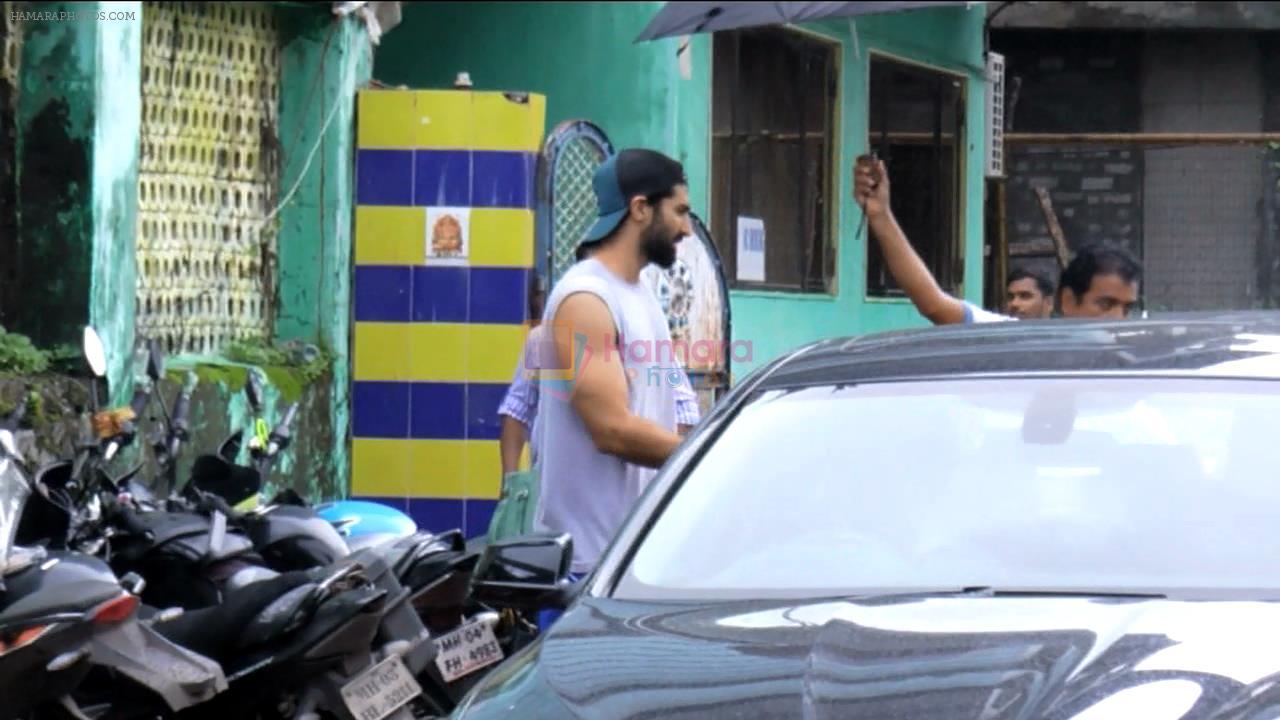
(985, 658)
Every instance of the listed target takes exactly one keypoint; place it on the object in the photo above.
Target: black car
(1057, 519)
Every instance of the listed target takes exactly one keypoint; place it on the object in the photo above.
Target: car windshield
(1032, 483)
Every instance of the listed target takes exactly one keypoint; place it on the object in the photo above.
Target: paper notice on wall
(751, 249)
(447, 235)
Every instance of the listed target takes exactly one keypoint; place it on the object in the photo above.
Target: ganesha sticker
(447, 233)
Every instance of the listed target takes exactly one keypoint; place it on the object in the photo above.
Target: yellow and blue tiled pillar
(437, 339)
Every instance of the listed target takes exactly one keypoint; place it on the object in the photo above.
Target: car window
(1116, 483)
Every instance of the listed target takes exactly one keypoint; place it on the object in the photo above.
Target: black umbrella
(689, 18)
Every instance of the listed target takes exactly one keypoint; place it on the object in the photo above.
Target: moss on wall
(56, 407)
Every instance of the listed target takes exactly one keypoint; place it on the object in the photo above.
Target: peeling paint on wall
(321, 79)
(54, 157)
(115, 189)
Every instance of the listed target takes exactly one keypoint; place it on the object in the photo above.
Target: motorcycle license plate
(380, 690)
(466, 650)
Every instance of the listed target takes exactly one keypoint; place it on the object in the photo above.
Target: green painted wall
(79, 124)
(78, 115)
(116, 132)
(950, 39)
(583, 58)
(580, 55)
(324, 63)
(56, 123)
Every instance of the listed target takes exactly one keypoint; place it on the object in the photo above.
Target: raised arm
(871, 191)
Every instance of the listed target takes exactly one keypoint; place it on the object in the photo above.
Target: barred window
(916, 122)
(772, 153)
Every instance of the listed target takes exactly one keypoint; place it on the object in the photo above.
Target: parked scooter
(297, 643)
(51, 604)
(434, 568)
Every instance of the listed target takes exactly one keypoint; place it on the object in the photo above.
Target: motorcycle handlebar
(181, 407)
(282, 431)
(139, 402)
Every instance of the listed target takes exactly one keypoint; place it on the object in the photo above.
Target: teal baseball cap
(629, 173)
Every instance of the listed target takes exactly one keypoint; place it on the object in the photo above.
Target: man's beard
(657, 248)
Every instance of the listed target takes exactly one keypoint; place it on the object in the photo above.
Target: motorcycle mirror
(528, 572)
(155, 360)
(94, 352)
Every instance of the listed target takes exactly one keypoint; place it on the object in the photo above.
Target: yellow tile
(382, 351)
(380, 467)
(484, 470)
(493, 351)
(504, 124)
(385, 119)
(438, 468)
(501, 237)
(387, 235)
(420, 352)
(439, 352)
(444, 119)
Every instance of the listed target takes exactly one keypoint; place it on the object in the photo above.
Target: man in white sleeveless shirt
(607, 410)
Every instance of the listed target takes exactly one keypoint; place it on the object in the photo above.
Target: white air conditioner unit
(995, 116)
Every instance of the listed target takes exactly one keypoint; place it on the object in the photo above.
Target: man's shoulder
(576, 281)
(975, 314)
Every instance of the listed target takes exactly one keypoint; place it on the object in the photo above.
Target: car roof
(1243, 344)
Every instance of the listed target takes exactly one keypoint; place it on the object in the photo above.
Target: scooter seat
(284, 615)
(218, 632)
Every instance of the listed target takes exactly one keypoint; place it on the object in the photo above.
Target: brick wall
(1204, 219)
(1096, 194)
(1072, 82)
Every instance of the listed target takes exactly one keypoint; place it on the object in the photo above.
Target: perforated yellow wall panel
(208, 173)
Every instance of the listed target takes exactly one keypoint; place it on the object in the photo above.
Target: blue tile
(483, 399)
(380, 409)
(502, 179)
(382, 293)
(440, 294)
(442, 178)
(438, 411)
(384, 177)
(499, 295)
(477, 513)
(437, 515)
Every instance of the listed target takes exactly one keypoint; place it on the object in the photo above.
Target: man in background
(1101, 282)
(1028, 294)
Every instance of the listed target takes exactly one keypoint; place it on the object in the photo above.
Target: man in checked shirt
(520, 404)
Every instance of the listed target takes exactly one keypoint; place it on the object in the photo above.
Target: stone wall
(56, 420)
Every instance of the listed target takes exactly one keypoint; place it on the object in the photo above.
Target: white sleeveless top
(584, 492)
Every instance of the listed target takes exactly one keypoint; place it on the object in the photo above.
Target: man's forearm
(912, 274)
(511, 442)
(638, 441)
